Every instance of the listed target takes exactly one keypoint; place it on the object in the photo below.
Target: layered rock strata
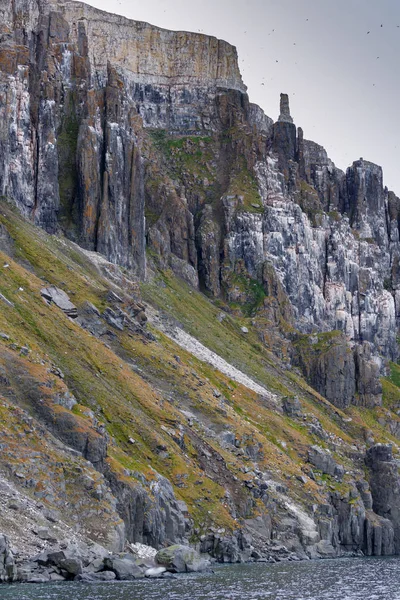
(128, 138)
(77, 86)
(79, 90)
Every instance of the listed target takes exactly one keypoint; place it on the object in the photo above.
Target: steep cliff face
(191, 429)
(77, 87)
(141, 144)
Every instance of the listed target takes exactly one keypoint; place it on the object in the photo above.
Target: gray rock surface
(125, 569)
(324, 462)
(385, 486)
(285, 109)
(292, 407)
(8, 568)
(181, 559)
(153, 517)
(60, 299)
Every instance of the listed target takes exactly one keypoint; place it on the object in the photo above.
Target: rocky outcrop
(60, 299)
(285, 110)
(181, 559)
(8, 569)
(228, 549)
(385, 487)
(345, 373)
(327, 362)
(152, 516)
(325, 463)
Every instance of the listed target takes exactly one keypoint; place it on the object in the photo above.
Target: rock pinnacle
(285, 109)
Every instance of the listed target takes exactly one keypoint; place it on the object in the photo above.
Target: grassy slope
(138, 388)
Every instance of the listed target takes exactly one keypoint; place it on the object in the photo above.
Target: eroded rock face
(143, 136)
(285, 109)
(385, 487)
(60, 299)
(77, 86)
(8, 568)
(151, 516)
(327, 361)
(324, 462)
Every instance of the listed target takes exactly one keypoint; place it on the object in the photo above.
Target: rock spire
(285, 109)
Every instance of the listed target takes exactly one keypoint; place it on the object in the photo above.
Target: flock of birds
(294, 44)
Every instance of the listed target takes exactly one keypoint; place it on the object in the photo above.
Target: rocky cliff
(122, 134)
(77, 87)
(141, 146)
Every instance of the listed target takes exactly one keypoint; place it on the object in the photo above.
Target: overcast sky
(343, 83)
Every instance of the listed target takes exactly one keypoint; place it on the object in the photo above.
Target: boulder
(44, 534)
(292, 407)
(324, 462)
(51, 558)
(181, 559)
(60, 299)
(73, 566)
(124, 568)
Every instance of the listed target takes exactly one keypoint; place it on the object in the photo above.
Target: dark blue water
(344, 579)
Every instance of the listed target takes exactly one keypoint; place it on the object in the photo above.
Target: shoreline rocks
(90, 564)
(181, 559)
(8, 569)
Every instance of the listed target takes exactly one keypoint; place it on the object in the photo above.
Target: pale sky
(343, 83)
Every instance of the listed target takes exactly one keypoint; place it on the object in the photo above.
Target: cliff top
(150, 53)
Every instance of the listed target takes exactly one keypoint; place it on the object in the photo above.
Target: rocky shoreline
(367, 524)
(93, 563)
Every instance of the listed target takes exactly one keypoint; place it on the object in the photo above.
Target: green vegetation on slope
(143, 389)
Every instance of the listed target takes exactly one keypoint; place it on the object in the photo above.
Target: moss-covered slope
(143, 408)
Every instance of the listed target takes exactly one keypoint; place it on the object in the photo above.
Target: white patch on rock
(190, 344)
